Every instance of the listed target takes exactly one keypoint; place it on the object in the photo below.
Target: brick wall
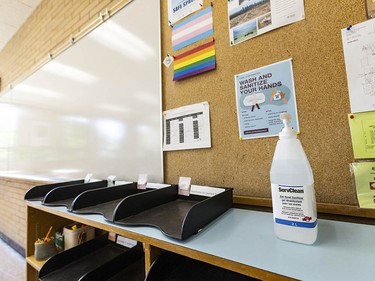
(52, 23)
(13, 211)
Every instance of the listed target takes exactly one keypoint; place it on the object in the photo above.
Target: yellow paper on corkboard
(364, 175)
(362, 130)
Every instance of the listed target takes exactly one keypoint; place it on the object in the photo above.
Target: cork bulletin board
(315, 47)
(370, 5)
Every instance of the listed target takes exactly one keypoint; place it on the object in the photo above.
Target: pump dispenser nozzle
(287, 132)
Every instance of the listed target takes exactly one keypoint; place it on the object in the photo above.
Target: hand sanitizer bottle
(292, 184)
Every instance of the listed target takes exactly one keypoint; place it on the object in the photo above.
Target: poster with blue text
(178, 9)
(262, 95)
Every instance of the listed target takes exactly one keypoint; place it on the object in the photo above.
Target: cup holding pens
(76, 234)
(44, 248)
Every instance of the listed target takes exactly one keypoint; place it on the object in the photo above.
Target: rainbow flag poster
(193, 29)
(195, 61)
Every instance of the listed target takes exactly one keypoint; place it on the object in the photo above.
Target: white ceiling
(13, 13)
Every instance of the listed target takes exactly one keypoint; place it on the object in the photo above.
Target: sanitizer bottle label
(293, 205)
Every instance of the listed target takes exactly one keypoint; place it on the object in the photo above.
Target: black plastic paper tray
(76, 263)
(129, 266)
(64, 196)
(176, 216)
(172, 267)
(105, 200)
(37, 193)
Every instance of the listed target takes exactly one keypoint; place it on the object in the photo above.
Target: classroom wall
(52, 24)
(13, 211)
(315, 46)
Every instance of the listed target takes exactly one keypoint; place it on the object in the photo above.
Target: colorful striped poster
(195, 61)
(193, 29)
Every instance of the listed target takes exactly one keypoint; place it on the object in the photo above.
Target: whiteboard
(95, 108)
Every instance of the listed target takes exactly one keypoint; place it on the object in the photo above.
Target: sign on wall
(262, 95)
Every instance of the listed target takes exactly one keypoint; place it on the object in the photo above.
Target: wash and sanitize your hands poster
(262, 95)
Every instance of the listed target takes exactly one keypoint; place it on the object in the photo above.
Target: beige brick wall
(52, 23)
(13, 209)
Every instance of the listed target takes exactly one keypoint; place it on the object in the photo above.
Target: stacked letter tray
(65, 195)
(175, 215)
(99, 255)
(37, 193)
(172, 267)
(104, 201)
(129, 266)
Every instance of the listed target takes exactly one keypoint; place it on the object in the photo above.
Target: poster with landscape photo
(250, 18)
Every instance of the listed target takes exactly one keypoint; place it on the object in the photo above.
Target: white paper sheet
(178, 9)
(187, 127)
(250, 18)
(205, 190)
(359, 50)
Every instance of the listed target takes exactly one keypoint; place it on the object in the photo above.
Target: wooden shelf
(242, 241)
(37, 265)
(153, 240)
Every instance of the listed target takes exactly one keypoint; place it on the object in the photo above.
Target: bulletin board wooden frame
(315, 46)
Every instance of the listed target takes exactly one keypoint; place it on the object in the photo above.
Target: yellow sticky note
(364, 175)
(362, 129)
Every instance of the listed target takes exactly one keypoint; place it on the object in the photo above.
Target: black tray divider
(170, 266)
(117, 264)
(163, 265)
(71, 191)
(64, 258)
(37, 193)
(205, 211)
(137, 203)
(97, 196)
(174, 215)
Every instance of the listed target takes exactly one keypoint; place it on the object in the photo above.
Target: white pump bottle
(293, 194)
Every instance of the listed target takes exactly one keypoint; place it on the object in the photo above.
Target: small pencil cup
(76, 234)
(44, 249)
